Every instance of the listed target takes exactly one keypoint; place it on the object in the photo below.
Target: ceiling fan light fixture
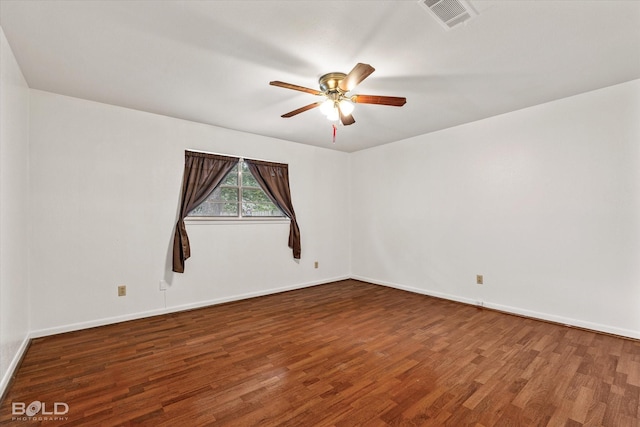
(327, 107)
(333, 115)
(346, 107)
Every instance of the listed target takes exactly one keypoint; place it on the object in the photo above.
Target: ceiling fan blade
(394, 101)
(295, 87)
(346, 119)
(301, 110)
(355, 76)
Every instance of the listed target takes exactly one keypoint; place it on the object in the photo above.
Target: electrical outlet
(479, 279)
(315, 264)
(122, 290)
(163, 285)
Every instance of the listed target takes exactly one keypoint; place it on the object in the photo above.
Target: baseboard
(582, 324)
(430, 293)
(13, 367)
(261, 293)
(507, 309)
(174, 309)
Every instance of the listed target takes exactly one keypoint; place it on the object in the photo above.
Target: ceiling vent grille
(449, 13)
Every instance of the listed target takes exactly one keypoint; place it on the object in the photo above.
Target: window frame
(239, 218)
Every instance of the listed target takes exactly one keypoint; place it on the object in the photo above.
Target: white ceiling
(211, 61)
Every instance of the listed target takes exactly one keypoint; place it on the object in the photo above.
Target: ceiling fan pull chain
(334, 133)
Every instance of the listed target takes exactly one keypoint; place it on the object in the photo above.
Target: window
(238, 196)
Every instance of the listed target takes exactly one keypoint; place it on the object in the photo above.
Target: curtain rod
(230, 155)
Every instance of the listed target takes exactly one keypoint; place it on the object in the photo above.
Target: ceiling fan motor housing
(330, 81)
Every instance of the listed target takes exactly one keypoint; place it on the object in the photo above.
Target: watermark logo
(39, 411)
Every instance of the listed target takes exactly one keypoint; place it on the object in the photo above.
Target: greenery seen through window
(239, 196)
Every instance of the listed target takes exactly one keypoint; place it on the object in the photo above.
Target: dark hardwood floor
(342, 354)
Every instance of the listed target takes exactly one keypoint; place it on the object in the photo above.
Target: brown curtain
(202, 173)
(274, 180)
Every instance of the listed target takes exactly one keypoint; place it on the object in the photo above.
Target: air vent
(449, 13)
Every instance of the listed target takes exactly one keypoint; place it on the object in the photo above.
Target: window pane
(229, 209)
(256, 203)
(223, 194)
(208, 208)
(230, 195)
(223, 201)
(231, 178)
(247, 178)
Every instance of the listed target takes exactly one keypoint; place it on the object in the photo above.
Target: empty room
(320, 213)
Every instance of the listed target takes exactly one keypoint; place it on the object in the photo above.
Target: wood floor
(342, 354)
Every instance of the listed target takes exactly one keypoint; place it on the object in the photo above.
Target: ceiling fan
(334, 88)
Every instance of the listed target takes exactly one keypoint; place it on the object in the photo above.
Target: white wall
(14, 175)
(105, 185)
(544, 202)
